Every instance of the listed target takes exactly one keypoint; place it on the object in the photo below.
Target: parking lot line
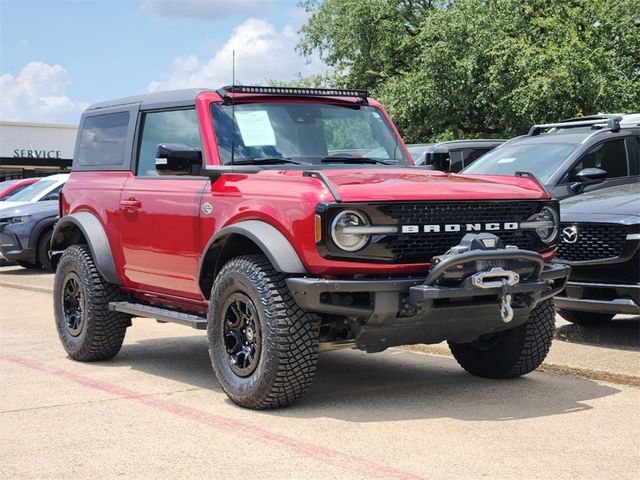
(335, 458)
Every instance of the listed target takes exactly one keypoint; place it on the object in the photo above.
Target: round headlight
(548, 233)
(344, 235)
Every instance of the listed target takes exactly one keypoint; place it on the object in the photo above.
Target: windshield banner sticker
(255, 128)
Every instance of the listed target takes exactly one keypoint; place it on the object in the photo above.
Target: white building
(35, 149)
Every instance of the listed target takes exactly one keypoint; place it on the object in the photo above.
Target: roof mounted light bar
(611, 123)
(294, 91)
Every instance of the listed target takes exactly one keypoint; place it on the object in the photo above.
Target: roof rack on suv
(612, 123)
(294, 91)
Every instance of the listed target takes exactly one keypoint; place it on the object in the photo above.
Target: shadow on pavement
(620, 333)
(395, 385)
(18, 271)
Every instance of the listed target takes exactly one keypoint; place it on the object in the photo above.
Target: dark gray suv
(571, 157)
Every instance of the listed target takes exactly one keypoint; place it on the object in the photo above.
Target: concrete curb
(547, 367)
(20, 286)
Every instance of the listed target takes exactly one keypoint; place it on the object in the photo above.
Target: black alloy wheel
(73, 304)
(241, 332)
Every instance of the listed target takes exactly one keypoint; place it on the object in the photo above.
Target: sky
(57, 57)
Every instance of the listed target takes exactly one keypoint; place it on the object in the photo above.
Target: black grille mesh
(421, 247)
(460, 212)
(595, 242)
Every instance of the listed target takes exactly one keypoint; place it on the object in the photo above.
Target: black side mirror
(588, 176)
(178, 159)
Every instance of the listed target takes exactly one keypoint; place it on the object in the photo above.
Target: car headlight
(549, 230)
(346, 230)
(13, 220)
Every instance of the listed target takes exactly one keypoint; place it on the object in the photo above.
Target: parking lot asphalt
(156, 410)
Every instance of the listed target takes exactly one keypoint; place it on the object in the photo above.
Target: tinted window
(53, 194)
(610, 156)
(103, 139)
(33, 191)
(177, 126)
(542, 159)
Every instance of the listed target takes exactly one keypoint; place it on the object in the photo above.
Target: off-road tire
(42, 251)
(288, 336)
(28, 265)
(585, 318)
(102, 331)
(512, 353)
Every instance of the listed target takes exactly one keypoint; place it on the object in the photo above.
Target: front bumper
(396, 311)
(600, 298)
(12, 248)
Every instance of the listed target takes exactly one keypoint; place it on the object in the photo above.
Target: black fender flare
(268, 239)
(96, 238)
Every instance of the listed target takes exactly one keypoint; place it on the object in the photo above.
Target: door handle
(131, 204)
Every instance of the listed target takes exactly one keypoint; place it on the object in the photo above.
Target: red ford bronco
(285, 221)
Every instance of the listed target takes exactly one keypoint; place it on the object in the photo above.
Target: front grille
(460, 212)
(594, 242)
(421, 247)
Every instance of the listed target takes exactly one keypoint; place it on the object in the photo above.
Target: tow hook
(498, 278)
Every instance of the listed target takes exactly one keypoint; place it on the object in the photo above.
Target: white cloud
(37, 94)
(262, 53)
(206, 9)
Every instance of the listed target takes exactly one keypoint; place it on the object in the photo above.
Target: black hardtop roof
(186, 97)
(172, 98)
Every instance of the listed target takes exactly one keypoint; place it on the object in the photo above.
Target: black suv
(573, 156)
(454, 155)
(600, 240)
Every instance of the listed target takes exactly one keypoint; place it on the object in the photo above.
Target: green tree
(365, 41)
(471, 68)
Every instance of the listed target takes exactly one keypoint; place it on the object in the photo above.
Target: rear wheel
(511, 353)
(87, 329)
(263, 347)
(585, 318)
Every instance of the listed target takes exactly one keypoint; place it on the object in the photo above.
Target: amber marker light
(318, 228)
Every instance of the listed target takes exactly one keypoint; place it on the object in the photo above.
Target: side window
(171, 126)
(103, 139)
(53, 194)
(610, 156)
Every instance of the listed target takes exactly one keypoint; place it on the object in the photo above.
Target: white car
(46, 189)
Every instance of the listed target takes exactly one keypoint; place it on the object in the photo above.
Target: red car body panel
(14, 185)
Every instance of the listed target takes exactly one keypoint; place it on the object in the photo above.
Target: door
(159, 232)
(612, 156)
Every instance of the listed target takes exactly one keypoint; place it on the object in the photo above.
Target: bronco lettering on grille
(459, 227)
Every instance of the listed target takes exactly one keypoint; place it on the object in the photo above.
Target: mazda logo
(570, 234)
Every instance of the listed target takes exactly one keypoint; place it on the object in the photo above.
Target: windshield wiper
(338, 159)
(267, 161)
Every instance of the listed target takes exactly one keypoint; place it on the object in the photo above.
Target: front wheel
(511, 353)
(263, 347)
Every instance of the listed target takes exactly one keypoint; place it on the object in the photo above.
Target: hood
(5, 206)
(43, 209)
(619, 200)
(414, 184)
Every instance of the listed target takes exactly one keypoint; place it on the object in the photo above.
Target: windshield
(308, 133)
(32, 192)
(541, 159)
